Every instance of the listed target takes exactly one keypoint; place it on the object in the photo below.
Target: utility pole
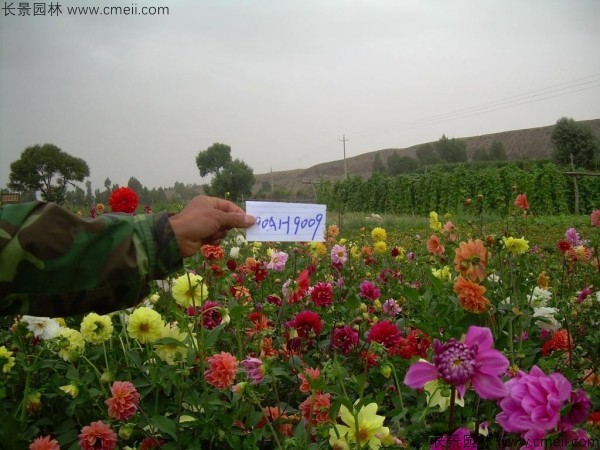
(344, 140)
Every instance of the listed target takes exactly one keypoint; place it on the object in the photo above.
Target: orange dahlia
(470, 295)
(222, 370)
(471, 259)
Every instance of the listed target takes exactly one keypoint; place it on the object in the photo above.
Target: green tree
(451, 150)
(47, 169)
(213, 159)
(427, 155)
(401, 164)
(378, 166)
(89, 198)
(234, 181)
(497, 152)
(135, 184)
(572, 138)
(480, 154)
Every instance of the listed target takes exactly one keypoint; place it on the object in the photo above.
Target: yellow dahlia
(189, 290)
(7, 360)
(72, 344)
(145, 325)
(96, 329)
(514, 245)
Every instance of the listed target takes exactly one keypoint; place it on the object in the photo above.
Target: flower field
(459, 336)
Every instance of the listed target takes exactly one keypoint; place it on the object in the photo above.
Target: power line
(548, 92)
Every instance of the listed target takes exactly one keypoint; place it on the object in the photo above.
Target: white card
(289, 222)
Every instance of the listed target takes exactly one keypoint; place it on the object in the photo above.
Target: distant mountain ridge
(529, 143)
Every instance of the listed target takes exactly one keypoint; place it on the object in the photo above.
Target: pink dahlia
(278, 260)
(369, 290)
(533, 403)
(472, 360)
(255, 369)
(97, 436)
(44, 443)
(312, 374)
(222, 368)
(521, 202)
(124, 401)
(339, 255)
(315, 409)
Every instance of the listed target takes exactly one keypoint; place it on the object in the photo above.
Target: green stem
(451, 417)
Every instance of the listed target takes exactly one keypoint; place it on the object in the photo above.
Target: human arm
(54, 263)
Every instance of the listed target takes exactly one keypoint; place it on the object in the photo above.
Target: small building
(10, 198)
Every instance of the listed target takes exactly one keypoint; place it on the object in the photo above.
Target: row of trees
(568, 138)
(55, 175)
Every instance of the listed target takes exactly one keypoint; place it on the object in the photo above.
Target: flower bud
(126, 431)
(386, 370)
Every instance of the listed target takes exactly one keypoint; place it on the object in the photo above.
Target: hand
(206, 220)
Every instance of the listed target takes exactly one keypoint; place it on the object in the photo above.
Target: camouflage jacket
(54, 263)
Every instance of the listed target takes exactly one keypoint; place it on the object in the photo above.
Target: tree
(480, 154)
(401, 164)
(89, 198)
(451, 150)
(572, 138)
(234, 181)
(427, 155)
(213, 159)
(47, 169)
(497, 152)
(135, 184)
(378, 166)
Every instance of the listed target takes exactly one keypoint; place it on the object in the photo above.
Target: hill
(530, 143)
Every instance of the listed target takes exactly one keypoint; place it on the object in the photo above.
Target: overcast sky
(282, 81)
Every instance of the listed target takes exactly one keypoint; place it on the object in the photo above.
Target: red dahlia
(124, 200)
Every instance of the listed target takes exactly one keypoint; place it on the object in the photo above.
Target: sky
(282, 82)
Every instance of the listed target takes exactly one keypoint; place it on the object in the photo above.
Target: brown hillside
(531, 143)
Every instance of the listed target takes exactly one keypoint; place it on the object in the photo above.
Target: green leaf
(165, 425)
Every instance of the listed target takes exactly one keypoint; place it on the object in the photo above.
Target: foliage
(213, 159)
(451, 150)
(47, 169)
(573, 138)
(427, 155)
(378, 166)
(496, 152)
(452, 188)
(258, 362)
(234, 180)
(401, 164)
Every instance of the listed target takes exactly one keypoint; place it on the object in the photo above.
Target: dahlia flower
(363, 427)
(97, 436)
(123, 200)
(189, 289)
(472, 360)
(533, 403)
(95, 328)
(124, 401)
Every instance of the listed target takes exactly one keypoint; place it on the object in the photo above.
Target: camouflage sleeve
(54, 263)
